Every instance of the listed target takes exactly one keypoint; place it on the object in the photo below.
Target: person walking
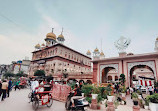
(147, 90)
(156, 90)
(17, 85)
(0, 88)
(4, 89)
(150, 90)
(9, 87)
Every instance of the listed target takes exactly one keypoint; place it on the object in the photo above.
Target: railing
(75, 74)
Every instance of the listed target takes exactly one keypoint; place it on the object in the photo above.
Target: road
(18, 101)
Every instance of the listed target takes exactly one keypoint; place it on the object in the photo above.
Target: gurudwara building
(57, 59)
(139, 69)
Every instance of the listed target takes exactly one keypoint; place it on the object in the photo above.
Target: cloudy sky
(24, 23)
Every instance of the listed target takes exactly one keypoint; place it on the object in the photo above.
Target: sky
(25, 23)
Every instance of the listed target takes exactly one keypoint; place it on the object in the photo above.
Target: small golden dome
(96, 50)
(130, 54)
(37, 46)
(88, 52)
(157, 38)
(43, 45)
(61, 36)
(102, 54)
(51, 35)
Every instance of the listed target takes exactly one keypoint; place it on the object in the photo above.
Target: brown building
(57, 59)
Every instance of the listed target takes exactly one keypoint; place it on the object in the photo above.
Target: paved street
(18, 101)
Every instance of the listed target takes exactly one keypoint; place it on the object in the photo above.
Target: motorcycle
(80, 104)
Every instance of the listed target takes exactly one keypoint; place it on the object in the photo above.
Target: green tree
(21, 74)
(122, 79)
(39, 73)
(8, 74)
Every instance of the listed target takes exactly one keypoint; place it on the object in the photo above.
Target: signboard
(41, 62)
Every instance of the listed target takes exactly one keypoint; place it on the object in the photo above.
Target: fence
(60, 92)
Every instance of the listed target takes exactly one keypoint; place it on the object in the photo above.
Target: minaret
(50, 38)
(101, 53)
(88, 53)
(96, 54)
(61, 38)
(156, 45)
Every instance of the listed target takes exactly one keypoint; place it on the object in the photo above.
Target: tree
(8, 74)
(21, 74)
(39, 73)
(122, 79)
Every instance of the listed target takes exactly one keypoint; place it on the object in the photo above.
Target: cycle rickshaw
(42, 98)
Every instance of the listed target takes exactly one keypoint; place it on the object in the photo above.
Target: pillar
(110, 106)
(94, 104)
(136, 108)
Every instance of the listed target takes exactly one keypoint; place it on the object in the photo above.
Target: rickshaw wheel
(50, 102)
(29, 96)
(35, 104)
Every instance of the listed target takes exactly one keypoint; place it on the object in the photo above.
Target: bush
(89, 99)
(108, 90)
(8, 74)
(21, 74)
(102, 92)
(122, 79)
(95, 90)
(123, 90)
(99, 98)
(87, 89)
(146, 102)
(72, 85)
(139, 92)
(134, 96)
(153, 98)
(39, 73)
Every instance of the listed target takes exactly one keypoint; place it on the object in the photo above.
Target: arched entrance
(106, 70)
(108, 74)
(141, 75)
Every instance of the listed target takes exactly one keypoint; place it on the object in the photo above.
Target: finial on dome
(52, 29)
(62, 30)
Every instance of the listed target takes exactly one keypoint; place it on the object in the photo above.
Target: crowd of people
(149, 90)
(5, 88)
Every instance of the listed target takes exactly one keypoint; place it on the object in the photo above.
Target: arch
(105, 76)
(102, 67)
(132, 76)
(149, 64)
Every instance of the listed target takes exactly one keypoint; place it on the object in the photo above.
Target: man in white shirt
(34, 84)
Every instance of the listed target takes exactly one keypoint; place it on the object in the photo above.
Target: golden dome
(130, 54)
(51, 35)
(88, 52)
(102, 54)
(96, 50)
(61, 36)
(43, 45)
(157, 38)
(37, 46)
